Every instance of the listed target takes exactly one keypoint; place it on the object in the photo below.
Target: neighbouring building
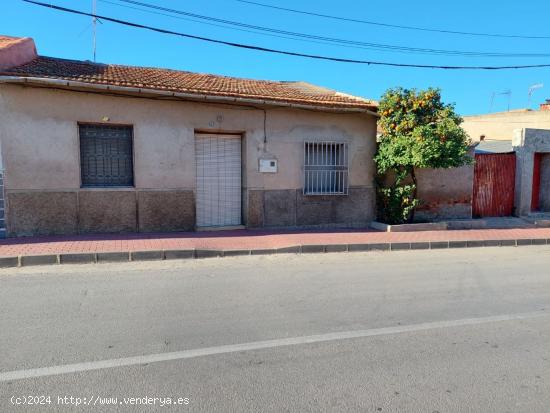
(512, 177)
(89, 147)
(515, 176)
(532, 183)
(501, 125)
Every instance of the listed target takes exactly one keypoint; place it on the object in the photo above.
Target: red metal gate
(494, 183)
(535, 193)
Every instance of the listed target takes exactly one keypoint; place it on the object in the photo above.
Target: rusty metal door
(494, 184)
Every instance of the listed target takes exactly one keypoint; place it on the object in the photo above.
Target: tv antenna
(94, 22)
(506, 92)
(532, 88)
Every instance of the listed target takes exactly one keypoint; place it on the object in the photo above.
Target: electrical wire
(338, 41)
(279, 51)
(395, 26)
(234, 28)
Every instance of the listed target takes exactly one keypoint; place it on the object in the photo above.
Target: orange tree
(418, 131)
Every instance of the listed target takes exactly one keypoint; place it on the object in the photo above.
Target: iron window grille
(106, 155)
(325, 168)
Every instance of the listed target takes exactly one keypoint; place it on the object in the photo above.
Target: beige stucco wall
(500, 126)
(40, 146)
(39, 135)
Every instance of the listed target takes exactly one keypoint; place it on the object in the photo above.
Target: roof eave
(103, 88)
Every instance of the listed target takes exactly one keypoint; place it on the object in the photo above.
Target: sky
(70, 36)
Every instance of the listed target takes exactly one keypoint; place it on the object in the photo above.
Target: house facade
(90, 148)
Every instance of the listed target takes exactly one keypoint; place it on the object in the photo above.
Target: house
(90, 148)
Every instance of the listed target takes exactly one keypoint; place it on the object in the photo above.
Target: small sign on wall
(268, 165)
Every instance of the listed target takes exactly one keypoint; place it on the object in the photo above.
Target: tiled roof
(186, 82)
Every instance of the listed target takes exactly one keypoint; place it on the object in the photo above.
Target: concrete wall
(526, 143)
(500, 126)
(39, 134)
(445, 193)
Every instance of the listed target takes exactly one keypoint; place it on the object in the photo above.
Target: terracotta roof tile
(188, 82)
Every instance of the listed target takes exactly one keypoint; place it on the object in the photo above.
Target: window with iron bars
(106, 155)
(325, 168)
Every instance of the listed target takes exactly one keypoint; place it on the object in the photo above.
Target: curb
(158, 255)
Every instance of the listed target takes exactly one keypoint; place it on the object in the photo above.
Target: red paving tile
(246, 239)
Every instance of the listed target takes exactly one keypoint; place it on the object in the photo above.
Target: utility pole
(94, 21)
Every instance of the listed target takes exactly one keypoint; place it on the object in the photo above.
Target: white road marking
(256, 345)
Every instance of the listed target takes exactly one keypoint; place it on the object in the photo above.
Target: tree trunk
(415, 192)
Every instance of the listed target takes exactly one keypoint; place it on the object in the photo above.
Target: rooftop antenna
(94, 21)
(507, 92)
(532, 88)
(492, 101)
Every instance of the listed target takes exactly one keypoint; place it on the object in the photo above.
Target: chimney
(16, 51)
(545, 105)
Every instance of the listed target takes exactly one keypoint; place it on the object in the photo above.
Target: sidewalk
(124, 247)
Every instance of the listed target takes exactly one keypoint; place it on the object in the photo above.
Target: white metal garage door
(218, 159)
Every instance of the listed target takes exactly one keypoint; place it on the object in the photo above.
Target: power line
(395, 26)
(231, 28)
(347, 42)
(278, 51)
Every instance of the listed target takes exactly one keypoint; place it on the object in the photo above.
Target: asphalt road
(465, 330)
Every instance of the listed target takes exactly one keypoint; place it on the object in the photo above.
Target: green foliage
(418, 131)
(396, 202)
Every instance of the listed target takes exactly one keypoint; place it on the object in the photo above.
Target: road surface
(463, 330)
